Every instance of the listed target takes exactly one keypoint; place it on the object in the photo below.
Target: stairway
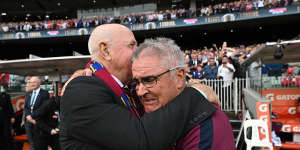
(235, 123)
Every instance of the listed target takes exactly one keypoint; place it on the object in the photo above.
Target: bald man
(96, 113)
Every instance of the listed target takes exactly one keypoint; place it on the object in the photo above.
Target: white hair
(165, 49)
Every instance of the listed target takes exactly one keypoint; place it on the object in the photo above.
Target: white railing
(229, 92)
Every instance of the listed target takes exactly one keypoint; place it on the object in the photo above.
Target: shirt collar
(118, 81)
(37, 90)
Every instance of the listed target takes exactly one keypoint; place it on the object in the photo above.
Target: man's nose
(141, 89)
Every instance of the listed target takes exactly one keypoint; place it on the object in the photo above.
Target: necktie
(32, 98)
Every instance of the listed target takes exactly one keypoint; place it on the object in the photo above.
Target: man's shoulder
(84, 85)
(43, 90)
(86, 81)
(206, 67)
(204, 108)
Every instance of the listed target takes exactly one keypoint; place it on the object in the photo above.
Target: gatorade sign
(294, 128)
(284, 102)
(281, 94)
(263, 113)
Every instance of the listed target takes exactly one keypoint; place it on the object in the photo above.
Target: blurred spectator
(4, 80)
(6, 120)
(296, 67)
(290, 80)
(198, 73)
(211, 70)
(237, 59)
(226, 70)
(274, 69)
(194, 61)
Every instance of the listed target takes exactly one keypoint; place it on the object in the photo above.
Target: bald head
(107, 33)
(112, 45)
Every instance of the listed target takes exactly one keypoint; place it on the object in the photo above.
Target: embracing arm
(90, 113)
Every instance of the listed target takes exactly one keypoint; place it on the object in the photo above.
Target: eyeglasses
(151, 81)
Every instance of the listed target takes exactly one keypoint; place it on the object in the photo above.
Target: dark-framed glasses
(151, 81)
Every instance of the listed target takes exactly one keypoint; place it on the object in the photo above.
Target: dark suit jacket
(93, 118)
(40, 99)
(46, 116)
(191, 62)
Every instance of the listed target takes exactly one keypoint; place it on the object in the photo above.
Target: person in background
(199, 73)
(33, 101)
(194, 61)
(211, 70)
(47, 120)
(290, 80)
(7, 118)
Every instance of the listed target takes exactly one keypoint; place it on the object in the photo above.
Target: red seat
(23, 138)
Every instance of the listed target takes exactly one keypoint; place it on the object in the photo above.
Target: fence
(229, 92)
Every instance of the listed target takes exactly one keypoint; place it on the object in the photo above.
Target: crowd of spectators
(226, 63)
(236, 6)
(240, 6)
(218, 63)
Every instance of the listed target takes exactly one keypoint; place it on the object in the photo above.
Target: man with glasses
(96, 113)
(159, 72)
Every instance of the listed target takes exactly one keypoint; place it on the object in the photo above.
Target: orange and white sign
(284, 102)
(263, 113)
(282, 96)
(291, 128)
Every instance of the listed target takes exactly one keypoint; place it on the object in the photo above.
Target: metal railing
(229, 92)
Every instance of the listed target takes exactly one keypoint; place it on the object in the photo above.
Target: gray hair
(165, 49)
(36, 78)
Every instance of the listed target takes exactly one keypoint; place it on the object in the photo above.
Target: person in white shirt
(225, 72)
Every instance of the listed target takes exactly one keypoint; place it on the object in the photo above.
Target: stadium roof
(290, 50)
(44, 66)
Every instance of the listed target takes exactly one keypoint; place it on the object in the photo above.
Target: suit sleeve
(43, 112)
(92, 116)
(26, 107)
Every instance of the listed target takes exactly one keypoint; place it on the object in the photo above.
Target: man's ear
(104, 51)
(180, 78)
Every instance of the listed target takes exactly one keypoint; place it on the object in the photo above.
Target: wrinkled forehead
(145, 65)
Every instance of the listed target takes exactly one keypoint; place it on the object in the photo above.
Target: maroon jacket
(214, 133)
